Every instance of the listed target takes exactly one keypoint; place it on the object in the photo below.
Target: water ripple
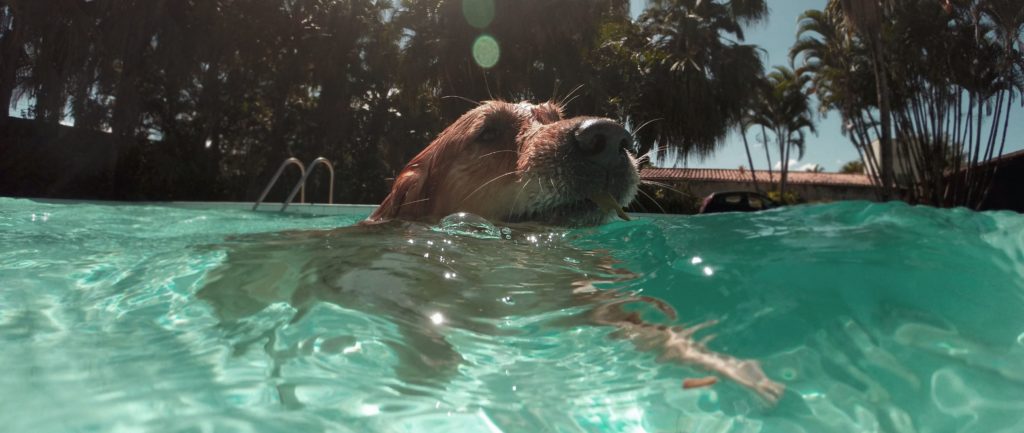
(153, 318)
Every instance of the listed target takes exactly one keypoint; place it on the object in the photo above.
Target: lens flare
(478, 13)
(486, 51)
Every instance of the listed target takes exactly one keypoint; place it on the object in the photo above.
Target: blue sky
(829, 148)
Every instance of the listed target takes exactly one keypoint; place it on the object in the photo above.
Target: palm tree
(1007, 17)
(831, 60)
(695, 75)
(749, 120)
(750, 160)
(12, 53)
(841, 77)
(763, 138)
(950, 74)
(865, 18)
(785, 109)
(56, 47)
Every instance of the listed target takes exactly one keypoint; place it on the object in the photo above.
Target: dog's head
(515, 163)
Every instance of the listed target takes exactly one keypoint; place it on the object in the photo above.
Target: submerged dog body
(508, 163)
(516, 163)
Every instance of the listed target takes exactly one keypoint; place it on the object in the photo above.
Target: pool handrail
(286, 163)
(302, 182)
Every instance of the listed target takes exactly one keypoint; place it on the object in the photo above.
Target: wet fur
(510, 163)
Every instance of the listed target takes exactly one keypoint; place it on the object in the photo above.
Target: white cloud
(794, 167)
(792, 162)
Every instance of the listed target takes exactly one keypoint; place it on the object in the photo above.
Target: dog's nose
(602, 140)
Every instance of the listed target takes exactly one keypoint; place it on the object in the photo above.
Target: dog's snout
(602, 140)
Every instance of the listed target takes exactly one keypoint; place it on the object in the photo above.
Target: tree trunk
(10, 57)
(767, 155)
(866, 16)
(750, 160)
(884, 111)
(784, 170)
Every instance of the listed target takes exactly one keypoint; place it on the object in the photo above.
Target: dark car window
(736, 201)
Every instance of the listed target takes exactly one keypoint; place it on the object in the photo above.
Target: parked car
(736, 201)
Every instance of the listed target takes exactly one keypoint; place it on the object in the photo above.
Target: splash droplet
(467, 224)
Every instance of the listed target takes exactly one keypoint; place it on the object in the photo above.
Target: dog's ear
(407, 197)
(413, 196)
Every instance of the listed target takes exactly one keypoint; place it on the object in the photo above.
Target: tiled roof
(1006, 157)
(726, 175)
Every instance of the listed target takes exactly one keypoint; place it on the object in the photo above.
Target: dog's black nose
(602, 140)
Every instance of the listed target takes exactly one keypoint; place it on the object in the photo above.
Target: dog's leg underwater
(676, 344)
(425, 358)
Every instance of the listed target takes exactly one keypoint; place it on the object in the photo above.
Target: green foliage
(677, 199)
(784, 108)
(786, 198)
(853, 167)
(952, 71)
(226, 90)
(694, 76)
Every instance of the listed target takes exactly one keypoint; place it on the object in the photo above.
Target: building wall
(1007, 191)
(903, 169)
(826, 193)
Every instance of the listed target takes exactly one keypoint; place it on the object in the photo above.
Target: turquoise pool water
(876, 317)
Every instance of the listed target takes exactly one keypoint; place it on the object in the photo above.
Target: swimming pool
(876, 317)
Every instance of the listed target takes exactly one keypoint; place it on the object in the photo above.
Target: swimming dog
(509, 163)
(527, 162)
(516, 163)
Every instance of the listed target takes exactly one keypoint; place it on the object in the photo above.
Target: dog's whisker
(652, 200)
(463, 98)
(657, 150)
(644, 125)
(415, 201)
(515, 201)
(666, 186)
(642, 207)
(487, 85)
(654, 152)
(516, 152)
(565, 100)
(566, 103)
(487, 183)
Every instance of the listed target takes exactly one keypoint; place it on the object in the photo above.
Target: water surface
(876, 317)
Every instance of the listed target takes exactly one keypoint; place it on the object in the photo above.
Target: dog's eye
(488, 134)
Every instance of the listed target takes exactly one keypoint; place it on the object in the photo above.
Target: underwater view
(870, 318)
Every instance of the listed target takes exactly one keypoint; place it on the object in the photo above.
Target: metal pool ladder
(300, 187)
